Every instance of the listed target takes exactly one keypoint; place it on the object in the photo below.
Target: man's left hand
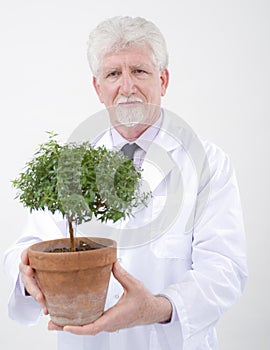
(137, 306)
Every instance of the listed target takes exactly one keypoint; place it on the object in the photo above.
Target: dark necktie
(129, 149)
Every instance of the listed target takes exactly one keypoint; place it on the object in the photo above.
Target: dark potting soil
(82, 247)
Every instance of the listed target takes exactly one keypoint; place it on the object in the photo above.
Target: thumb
(123, 277)
(24, 257)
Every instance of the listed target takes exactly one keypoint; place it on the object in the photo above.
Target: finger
(54, 327)
(123, 277)
(108, 322)
(24, 267)
(26, 270)
(94, 328)
(24, 257)
(28, 279)
(30, 283)
(88, 329)
(32, 288)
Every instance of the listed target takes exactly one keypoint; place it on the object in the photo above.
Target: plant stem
(71, 234)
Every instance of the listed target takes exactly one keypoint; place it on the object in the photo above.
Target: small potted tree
(80, 182)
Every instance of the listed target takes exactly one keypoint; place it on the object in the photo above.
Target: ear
(164, 79)
(97, 88)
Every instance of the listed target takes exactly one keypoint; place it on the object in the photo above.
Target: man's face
(130, 86)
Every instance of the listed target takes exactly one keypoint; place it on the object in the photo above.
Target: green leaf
(80, 181)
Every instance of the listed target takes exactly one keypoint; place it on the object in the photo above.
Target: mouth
(129, 104)
(130, 101)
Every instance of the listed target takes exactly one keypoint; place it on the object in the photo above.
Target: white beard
(130, 116)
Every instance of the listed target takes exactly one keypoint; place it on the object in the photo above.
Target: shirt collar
(145, 139)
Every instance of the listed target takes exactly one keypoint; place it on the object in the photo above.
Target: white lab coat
(188, 245)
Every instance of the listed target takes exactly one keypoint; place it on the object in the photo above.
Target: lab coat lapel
(104, 140)
(156, 166)
(158, 162)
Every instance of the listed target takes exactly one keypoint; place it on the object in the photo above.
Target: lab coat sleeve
(218, 273)
(40, 226)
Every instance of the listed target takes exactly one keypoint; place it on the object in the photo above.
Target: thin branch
(71, 234)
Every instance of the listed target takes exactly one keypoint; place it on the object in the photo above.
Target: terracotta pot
(75, 284)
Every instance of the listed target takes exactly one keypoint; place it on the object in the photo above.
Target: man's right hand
(30, 282)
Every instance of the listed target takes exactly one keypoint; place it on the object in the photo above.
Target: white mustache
(124, 99)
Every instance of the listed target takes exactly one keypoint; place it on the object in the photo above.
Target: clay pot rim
(79, 260)
(103, 242)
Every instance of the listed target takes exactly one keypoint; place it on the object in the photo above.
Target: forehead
(131, 57)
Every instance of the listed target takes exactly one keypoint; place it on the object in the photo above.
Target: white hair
(117, 33)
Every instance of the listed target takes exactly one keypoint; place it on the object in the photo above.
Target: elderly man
(170, 288)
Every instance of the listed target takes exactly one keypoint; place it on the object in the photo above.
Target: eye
(139, 71)
(112, 74)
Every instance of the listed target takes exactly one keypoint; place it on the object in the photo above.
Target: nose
(127, 86)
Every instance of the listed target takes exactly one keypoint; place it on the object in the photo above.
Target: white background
(219, 64)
